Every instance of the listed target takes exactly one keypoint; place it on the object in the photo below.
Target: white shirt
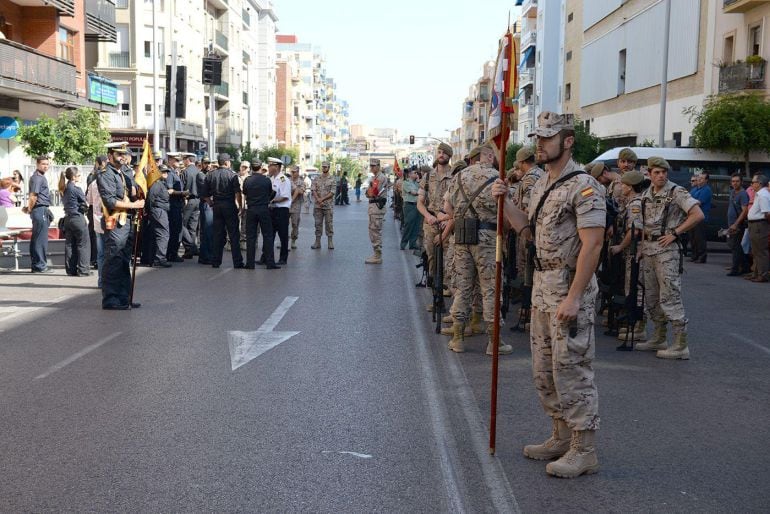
(282, 188)
(761, 205)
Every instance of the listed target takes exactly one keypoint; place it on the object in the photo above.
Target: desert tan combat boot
(639, 333)
(553, 447)
(447, 319)
(376, 258)
(658, 341)
(449, 331)
(579, 459)
(457, 343)
(502, 349)
(317, 244)
(331, 243)
(477, 323)
(293, 244)
(678, 350)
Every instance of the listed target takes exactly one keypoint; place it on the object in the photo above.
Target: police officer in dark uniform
(37, 208)
(191, 210)
(116, 189)
(158, 206)
(224, 194)
(206, 216)
(176, 201)
(258, 191)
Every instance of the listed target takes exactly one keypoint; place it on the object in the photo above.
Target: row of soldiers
(558, 210)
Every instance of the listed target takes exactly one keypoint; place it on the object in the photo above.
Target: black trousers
(77, 245)
(92, 234)
(280, 219)
(175, 222)
(258, 219)
(116, 275)
(740, 261)
(190, 216)
(698, 238)
(226, 222)
(38, 244)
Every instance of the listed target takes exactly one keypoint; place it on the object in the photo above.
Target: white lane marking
(500, 491)
(354, 454)
(218, 275)
(751, 342)
(69, 360)
(18, 310)
(247, 346)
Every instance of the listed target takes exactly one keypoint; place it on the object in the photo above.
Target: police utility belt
(467, 228)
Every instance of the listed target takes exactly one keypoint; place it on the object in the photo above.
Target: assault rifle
(612, 275)
(510, 273)
(634, 311)
(438, 283)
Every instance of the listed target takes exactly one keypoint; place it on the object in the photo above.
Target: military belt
(758, 221)
(551, 264)
(485, 225)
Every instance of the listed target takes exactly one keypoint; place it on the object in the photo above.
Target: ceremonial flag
(397, 168)
(139, 177)
(502, 103)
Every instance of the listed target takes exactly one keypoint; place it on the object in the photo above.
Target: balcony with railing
(120, 119)
(22, 67)
(741, 6)
(742, 76)
(121, 4)
(222, 89)
(118, 59)
(100, 21)
(526, 77)
(220, 40)
(529, 8)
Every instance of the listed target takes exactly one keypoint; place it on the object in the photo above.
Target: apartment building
(475, 113)
(44, 65)
(234, 30)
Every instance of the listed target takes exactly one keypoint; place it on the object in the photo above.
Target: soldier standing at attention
(322, 190)
(158, 207)
(176, 202)
(297, 197)
(191, 211)
(470, 199)
(378, 200)
(566, 217)
(115, 188)
(258, 191)
(430, 199)
(224, 196)
(280, 205)
(668, 211)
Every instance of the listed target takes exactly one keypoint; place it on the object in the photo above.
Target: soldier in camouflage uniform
(569, 229)
(668, 211)
(322, 190)
(297, 197)
(377, 192)
(433, 186)
(474, 261)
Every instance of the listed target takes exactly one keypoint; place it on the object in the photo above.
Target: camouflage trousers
(321, 217)
(562, 367)
(473, 264)
(295, 218)
(663, 288)
(376, 218)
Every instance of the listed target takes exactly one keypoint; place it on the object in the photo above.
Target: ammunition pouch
(467, 231)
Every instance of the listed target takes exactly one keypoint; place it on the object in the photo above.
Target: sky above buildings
(404, 64)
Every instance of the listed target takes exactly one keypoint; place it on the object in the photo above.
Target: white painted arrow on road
(247, 346)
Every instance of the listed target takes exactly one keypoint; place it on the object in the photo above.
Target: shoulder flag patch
(635, 210)
(585, 193)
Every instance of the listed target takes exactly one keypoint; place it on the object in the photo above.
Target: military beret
(627, 154)
(549, 124)
(632, 178)
(374, 162)
(475, 151)
(274, 160)
(658, 162)
(205, 159)
(163, 168)
(597, 169)
(446, 149)
(525, 153)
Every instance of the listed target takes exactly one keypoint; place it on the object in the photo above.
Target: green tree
(510, 154)
(587, 145)
(73, 137)
(278, 152)
(737, 124)
(234, 152)
(248, 154)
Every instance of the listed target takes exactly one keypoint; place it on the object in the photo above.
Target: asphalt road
(363, 409)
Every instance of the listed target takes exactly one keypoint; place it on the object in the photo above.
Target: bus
(686, 162)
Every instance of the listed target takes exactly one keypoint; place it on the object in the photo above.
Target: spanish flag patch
(585, 193)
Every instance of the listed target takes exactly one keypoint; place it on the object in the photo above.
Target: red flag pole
(499, 247)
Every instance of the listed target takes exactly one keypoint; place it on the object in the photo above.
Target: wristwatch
(673, 233)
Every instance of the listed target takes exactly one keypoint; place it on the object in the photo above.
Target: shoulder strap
(475, 194)
(543, 198)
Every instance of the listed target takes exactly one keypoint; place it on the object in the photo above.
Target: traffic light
(411, 140)
(212, 71)
(180, 95)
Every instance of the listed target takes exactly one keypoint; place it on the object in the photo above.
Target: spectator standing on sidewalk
(759, 228)
(737, 211)
(95, 202)
(7, 198)
(702, 193)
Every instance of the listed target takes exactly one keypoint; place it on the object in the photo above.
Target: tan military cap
(632, 178)
(475, 151)
(658, 162)
(446, 149)
(627, 154)
(597, 169)
(549, 124)
(458, 166)
(525, 153)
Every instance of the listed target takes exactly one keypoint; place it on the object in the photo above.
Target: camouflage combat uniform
(324, 212)
(295, 211)
(662, 280)
(436, 188)
(632, 216)
(521, 197)
(377, 215)
(562, 354)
